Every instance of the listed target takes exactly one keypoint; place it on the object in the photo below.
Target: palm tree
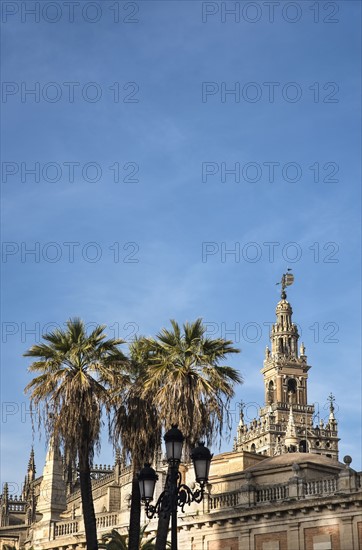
(116, 541)
(113, 541)
(189, 386)
(136, 426)
(74, 372)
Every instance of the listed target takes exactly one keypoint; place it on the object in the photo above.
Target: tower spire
(6, 491)
(4, 506)
(51, 500)
(241, 415)
(332, 422)
(31, 464)
(30, 475)
(291, 439)
(331, 400)
(284, 335)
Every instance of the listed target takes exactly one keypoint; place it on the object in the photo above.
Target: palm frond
(184, 367)
(75, 372)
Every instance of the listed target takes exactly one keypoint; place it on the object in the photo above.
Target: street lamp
(176, 494)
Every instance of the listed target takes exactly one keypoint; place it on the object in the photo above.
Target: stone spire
(31, 466)
(332, 419)
(117, 458)
(30, 475)
(284, 335)
(241, 418)
(52, 497)
(331, 400)
(117, 464)
(31, 463)
(240, 428)
(291, 440)
(4, 509)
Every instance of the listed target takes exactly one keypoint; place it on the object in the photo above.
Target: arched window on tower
(292, 389)
(280, 346)
(303, 446)
(271, 392)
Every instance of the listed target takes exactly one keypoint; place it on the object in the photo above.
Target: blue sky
(131, 210)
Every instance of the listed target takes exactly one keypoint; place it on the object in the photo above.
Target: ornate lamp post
(176, 494)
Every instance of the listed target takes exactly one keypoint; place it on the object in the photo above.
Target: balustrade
(106, 520)
(321, 487)
(65, 528)
(273, 493)
(224, 500)
(17, 506)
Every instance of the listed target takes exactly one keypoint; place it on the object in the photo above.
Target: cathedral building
(282, 486)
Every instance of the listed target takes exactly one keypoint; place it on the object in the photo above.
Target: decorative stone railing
(101, 468)
(16, 506)
(251, 495)
(71, 527)
(106, 520)
(96, 484)
(100, 475)
(321, 487)
(224, 500)
(65, 528)
(100, 482)
(272, 494)
(296, 407)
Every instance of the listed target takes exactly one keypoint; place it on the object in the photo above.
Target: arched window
(271, 392)
(303, 446)
(292, 390)
(253, 448)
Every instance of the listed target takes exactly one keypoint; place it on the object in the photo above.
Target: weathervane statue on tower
(287, 280)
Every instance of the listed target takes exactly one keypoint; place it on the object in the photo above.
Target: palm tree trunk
(87, 503)
(135, 515)
(163, 522)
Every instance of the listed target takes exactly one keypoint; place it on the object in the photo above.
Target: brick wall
(315, 532)
(279, 540)
(359, 529)
(223, 544)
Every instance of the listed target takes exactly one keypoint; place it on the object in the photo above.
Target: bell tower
(285, 369)
(285, 422)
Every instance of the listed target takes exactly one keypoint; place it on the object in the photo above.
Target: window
(271, 392)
